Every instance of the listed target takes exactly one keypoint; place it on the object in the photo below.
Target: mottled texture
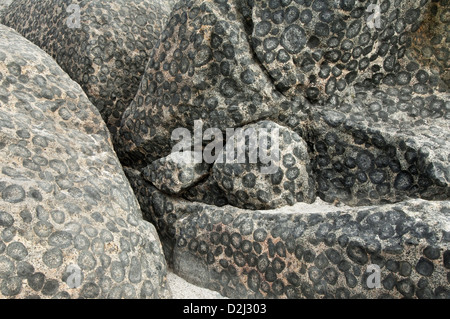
(4, 5)
(322, 48)
(371, 104)
(380, 146)
(372, 143)
(70, 225)
(105, 53)
(203, 68)
(207, 192)
(266, 166)
(176, 172)
(248, 254)
(304, 251)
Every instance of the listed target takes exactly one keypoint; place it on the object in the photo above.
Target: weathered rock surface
(269, 167)
(103, 46)
(353, 137)
(379, 146)
(176, 172)
(321, 254)
(305, 251)
(70, 224)
(377, 164)
(203, 68)
(320, 48)
(154, 209)
(4, 5)
(383, 136)
(371, 103)
(208, 192)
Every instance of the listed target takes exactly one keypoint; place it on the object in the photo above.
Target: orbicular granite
(264, 166)
(321, 49)
(305, 251)
(70, 225)
(4, 5)
(367, 93)
(102, 45)
(325, 254)
(203, 68)
(372, 138)
(176, 172)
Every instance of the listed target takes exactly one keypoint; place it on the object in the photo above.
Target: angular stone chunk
(176, 172)
(203, 68)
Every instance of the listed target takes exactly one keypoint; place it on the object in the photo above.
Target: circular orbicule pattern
(375, 163)
(203, 68)
(327, 253)
(378, 131)
(371, 104)
(399, 91)
(67, 211)
(269, 167)
(299, 253)
(208, 192)
(322, 51)
(105, 49)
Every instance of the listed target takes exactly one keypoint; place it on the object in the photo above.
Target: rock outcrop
(4, 5)
(321, 49)
(305, 251)
(326, 253)
(176, 172)
(370, 107)
(103, 46)
(203, 68)
(70, 224)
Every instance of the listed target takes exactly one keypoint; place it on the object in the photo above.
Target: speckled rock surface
(325, 254)
(105, 53)
(156, 208)
(383, 136)
(371, 103)
(203, 68)
(372, 143)
(70, 225)
(4, 5)
(366, 163)
(262, 173)
(319, 48)
(378, 146)
(306, 250)
(176, 172)
(208, 192)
